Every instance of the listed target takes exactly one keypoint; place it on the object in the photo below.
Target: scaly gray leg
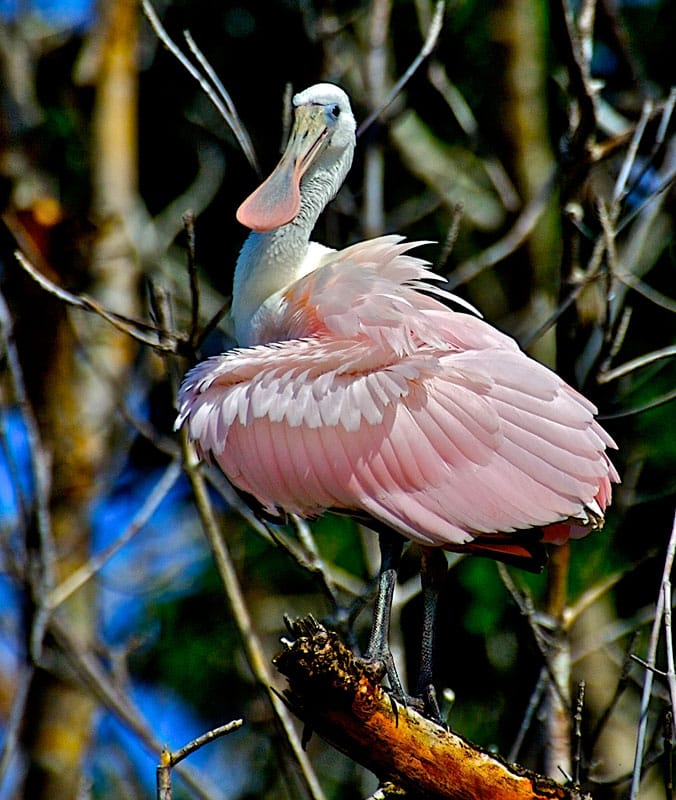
(378, 652)
(432, 576)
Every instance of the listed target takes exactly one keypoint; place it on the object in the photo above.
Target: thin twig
(169, 759)
(668, 755)
(232, 118)
(315, 560)
(637, 363)
(622, 685)
(525, 605)
(177, 756)
(39, 576)
(577, 732)
(497, 174)
(659, 299)
(216, 95)
(238, 607)
(373, 210)
(669, 643)
(667, 183)
(161, 340)
(533, 704)
(428, 46)
(632, 412)
(84, 573)
(511, 241)
(213, 323)
(102, 686)
(189, 225)
(451, 237)
(620, 190)
(648, 681)
(15, 719)
(590, 596)
(335, 576)
(582, 119)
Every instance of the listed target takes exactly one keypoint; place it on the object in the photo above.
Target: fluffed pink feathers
(372, 396)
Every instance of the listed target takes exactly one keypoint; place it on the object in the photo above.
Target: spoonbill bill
(361, 387)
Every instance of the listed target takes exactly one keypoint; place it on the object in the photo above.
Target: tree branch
(337, 696)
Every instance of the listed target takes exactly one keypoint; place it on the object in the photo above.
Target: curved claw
(381, 664)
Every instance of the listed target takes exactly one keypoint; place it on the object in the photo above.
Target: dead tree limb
(339, 697)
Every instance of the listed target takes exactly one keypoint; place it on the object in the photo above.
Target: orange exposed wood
(339, 698)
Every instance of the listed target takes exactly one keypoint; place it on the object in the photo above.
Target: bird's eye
(335, 111)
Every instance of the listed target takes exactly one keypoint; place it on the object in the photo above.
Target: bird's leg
(432, 575)
(378, 651)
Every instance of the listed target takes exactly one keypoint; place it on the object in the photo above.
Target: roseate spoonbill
(356, 389)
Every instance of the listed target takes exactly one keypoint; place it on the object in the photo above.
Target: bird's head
(322, 142)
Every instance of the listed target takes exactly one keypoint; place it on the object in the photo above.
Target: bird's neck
(272, 260)
(268, 262)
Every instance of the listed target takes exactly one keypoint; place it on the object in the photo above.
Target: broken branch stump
(338, 696)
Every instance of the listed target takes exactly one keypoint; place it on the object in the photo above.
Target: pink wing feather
(377, 398)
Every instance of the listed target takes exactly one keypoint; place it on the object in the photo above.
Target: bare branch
(232, 118)
(669, 643)
(620, 190)
(82, 574)
(39, 576)
(464, 116)
(168, 759)
(533, 704)
(632, 412)
(428, 46)
(511, 241)
(636, 363)
(651, 660)
(250, 641)
(161, 340)
(15, 719)
(577, 733)
(659, 299)
(189, 224)
(214, 91)
(90, 671)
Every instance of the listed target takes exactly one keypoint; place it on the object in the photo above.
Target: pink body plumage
(360, 391)
(368, 394)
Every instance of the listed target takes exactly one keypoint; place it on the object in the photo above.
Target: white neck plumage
(271, 260)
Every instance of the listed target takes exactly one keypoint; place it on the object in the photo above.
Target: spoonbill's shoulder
(373, 290)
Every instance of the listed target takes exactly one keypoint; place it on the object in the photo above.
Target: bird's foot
(426, 703)
(380, 666)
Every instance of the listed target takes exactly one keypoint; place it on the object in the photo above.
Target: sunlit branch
(428, 46)
(651, 661)
(95, 564)
(112, 697)
(252, 646)
(637, 363)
